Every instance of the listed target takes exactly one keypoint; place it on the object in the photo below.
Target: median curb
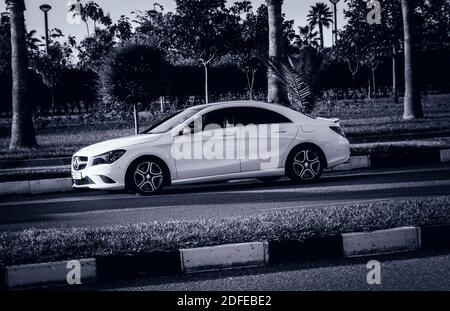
(378, 161)
(229, 256)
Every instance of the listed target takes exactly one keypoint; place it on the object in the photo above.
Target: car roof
(237, 103)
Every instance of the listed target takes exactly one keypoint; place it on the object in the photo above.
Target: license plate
(76, 175)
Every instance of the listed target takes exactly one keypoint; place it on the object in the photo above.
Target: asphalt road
(410, 271)
(96, 209)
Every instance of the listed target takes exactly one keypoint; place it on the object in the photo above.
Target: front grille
(79, 163)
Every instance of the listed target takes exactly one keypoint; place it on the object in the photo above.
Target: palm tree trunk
(321, 36)
(136, 119)
(412, 102)
(206, 83)
(373, 68)
(87, 28)
(394, 78)
(276, 51)
(22, 130)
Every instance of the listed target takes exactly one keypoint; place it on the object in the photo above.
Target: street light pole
(334, 39)
(45, 8)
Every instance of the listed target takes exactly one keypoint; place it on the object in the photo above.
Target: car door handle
(281, 131)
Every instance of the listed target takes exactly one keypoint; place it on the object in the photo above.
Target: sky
(34, 18)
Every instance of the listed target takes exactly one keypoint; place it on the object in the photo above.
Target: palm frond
(292, 85)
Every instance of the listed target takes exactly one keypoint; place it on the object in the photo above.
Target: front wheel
(304, 165)
(146, 177)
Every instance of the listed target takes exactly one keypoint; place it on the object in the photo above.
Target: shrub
(133, 74)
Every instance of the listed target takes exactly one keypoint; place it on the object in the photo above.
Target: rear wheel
(305, 165)
(146, 177)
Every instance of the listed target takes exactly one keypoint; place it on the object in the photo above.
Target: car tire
(146, 176)
(305, 164)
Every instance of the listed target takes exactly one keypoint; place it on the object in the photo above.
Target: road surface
(408, 271)
(97, 209)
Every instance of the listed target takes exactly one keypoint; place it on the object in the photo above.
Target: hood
(118, 143)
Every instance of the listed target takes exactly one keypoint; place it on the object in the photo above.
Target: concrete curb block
(14, 187)
(45, 273)
(381, 242)
(229, 256)
(112, 268)
(49, 185)
(432, 237)
(223, 257)
(36, 186)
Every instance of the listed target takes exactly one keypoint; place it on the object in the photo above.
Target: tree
(91, 11)
(92, 50)
(49, 66)
(276, 51)
(307, 37)
(133, 74)
(203, 30)
(364, 44)
(348, 51)
(320, 15)
(412, 103)
(22, 129)
(5, 43)
(122, 29)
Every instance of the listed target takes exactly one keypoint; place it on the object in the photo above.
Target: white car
(215, 142)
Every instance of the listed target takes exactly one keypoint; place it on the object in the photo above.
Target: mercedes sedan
(215, 142)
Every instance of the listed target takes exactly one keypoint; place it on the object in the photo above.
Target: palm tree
(22, 130)
(412, 102)
(307, 37)
(320, 15)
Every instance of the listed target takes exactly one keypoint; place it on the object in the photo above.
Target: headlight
(108, 157)
(338, 130)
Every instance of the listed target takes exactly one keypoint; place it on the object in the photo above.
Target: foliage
(300, 77)
(5, 43)
(133, 73)
(307, 37)
(320, 15)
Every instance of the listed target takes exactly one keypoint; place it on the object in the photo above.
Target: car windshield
(169, 123)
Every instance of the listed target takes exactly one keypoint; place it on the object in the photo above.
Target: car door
(211, 144)
(264, 138)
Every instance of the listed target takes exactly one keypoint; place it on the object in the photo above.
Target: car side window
(222, 118)
(253, 115)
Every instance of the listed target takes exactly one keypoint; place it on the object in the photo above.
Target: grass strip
(34, 246)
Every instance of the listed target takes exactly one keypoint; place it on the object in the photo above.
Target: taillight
(338, 130)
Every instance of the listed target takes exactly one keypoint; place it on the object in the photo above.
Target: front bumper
(101, 177)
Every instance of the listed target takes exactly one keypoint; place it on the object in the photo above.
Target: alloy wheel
(307, 164)
(148, 177)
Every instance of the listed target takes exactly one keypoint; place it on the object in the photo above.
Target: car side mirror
(186, 131)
